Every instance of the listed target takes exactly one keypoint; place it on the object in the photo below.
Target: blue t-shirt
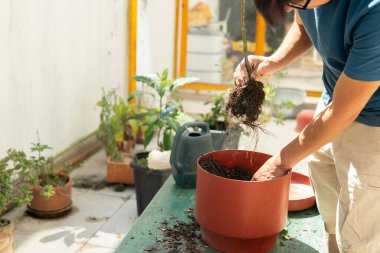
(346, 33)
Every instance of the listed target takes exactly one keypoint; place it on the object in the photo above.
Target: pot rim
(146, 169)
(236, 180)
(109, 159)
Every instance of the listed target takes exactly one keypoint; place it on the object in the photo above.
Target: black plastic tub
(147, 181)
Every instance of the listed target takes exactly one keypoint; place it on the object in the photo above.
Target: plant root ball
(245, 103)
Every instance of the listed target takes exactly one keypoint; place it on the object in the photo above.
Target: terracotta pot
(240, 216)
(61, 200)
(120, 172)
(6, 238)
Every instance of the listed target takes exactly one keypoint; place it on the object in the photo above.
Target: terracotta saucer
(301, 194)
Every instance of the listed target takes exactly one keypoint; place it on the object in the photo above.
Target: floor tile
(114, 230)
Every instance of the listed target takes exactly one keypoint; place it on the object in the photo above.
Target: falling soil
(245, 103)
(182, 236)
(215, 167)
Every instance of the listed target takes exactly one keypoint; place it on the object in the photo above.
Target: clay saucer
(301, 194)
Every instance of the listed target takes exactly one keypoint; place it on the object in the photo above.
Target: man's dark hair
(273, 11)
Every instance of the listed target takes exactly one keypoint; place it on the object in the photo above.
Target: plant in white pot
(153, 168)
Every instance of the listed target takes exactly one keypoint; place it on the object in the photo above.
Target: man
(343, 139)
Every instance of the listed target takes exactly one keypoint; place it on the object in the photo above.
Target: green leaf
(145, 79)
(148, 134)
(164, 75)
(166, 83)
(182, 81)
(173, 124)
(134, 126)
(135, 94)
(168, 139)
(160, 91)
(139, 115)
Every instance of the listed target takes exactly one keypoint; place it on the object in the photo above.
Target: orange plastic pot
(240, 216)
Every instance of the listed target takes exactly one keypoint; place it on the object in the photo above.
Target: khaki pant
(346, 177)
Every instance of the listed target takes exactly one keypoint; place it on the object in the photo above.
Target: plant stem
(159, 131)
(243, 30)
(244, 38)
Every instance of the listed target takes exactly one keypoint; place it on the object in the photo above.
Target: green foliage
(218, 112)
(114, 121)
(15, 178)
(163, 119)
(18, 174)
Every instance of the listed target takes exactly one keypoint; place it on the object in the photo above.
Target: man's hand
(260, 65)
(271, 169)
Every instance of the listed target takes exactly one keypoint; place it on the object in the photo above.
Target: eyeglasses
(298, 5)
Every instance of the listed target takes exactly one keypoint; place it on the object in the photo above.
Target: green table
(305, 228)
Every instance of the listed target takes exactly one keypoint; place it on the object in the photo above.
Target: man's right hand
(261, 66)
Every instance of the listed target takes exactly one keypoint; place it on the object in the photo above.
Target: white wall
(55, 55)
(158, 34)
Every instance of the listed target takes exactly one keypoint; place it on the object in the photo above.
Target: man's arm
(295, 44)
(350, 97)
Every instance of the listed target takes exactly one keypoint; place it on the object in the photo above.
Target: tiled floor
(97, 223)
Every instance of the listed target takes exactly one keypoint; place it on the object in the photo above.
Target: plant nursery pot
(6, 238)
(120, 172)
(55, 206)
(240, 216)
(147, 181)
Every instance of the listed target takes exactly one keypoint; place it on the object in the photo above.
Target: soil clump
(245, 103)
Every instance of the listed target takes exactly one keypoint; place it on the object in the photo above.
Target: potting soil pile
(215, 167)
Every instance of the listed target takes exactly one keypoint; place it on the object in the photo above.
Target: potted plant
(153, 168)
(239, 215)
(51, 190)
(117, 133)
(15, 176)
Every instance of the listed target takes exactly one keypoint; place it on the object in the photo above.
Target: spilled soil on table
(180, 236)
(213, 166)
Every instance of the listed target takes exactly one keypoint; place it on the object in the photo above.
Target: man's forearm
(295, 43)
(320, 131)
(350, 97)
